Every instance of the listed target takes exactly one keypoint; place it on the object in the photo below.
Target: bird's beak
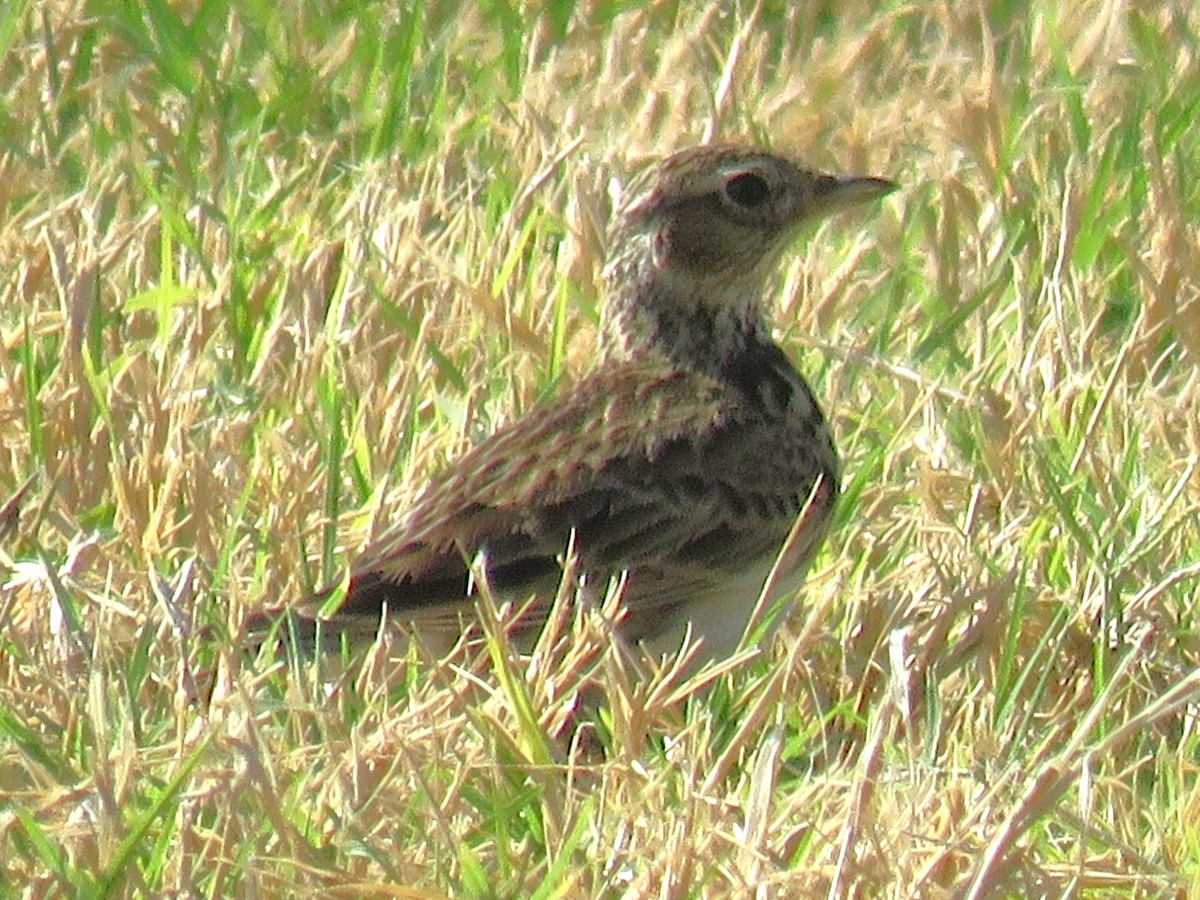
(834, 192)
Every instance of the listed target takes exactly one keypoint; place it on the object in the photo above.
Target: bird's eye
(748, 190)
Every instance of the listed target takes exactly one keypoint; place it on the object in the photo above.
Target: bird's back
(681, 479)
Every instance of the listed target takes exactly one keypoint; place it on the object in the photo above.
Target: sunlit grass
(262, 270)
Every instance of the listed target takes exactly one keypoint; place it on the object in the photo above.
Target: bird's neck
(699, 324)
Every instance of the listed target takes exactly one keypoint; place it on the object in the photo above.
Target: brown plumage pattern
(682, 461)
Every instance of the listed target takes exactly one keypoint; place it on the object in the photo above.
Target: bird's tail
(304, 624)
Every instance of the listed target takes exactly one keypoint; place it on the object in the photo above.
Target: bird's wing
(658, 472)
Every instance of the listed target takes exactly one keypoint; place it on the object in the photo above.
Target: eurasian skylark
(683, 460)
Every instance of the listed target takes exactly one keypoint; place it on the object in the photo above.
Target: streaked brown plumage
(683, 459)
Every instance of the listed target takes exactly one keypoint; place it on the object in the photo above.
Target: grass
(262, 270)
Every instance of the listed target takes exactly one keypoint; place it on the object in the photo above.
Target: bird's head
(704, 229)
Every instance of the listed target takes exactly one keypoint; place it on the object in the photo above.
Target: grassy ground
(262, 269)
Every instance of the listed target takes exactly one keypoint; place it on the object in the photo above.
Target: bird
(681, 464)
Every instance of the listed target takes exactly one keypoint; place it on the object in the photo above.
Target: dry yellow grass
(262, 270)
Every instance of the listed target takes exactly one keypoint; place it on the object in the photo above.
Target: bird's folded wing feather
(650, 470)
